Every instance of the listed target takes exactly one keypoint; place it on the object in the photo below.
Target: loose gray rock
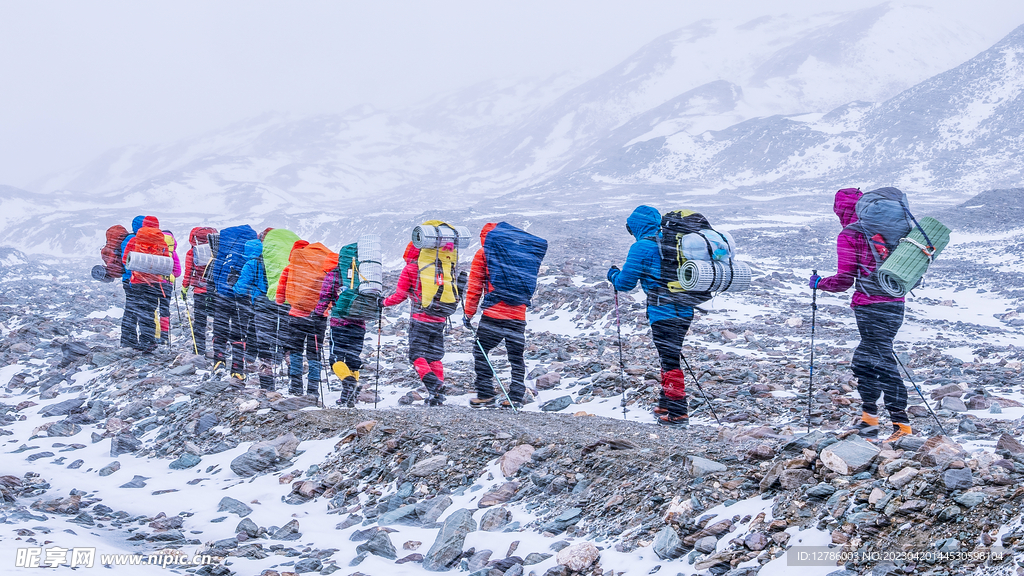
(958, 479)
(667, 544)
(706, 545)
(429, 466)
(136, 482)
(255, 461)
(63, 428)
(849, 456)
(379, 545)
(447, 547)
(237, 507)
(124, 443)
(697, 466)
(560, 403)
(110, 468)
(308, 565)
(248, 527)
(404, 515)
(186, 460)
(970, 499)
(430, 510)
(62, 408)
(495, 519)
(289, 531)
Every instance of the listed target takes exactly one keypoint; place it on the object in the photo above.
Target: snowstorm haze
(81, 78)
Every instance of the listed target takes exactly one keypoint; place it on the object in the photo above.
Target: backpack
(277, 246)
(513, 259)
(883, 217)
(202, 249)
(680, 238)
(230, 257)
(306, 273)
(111, 252)
(438, 262)
(149, 260)
(347, 277)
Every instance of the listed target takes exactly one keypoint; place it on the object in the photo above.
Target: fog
(80, 78)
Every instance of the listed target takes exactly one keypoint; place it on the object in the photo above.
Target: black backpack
(883, 217)
(668, 291)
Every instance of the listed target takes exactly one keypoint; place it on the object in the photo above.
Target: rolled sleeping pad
(703, 276)
(902, 270)
(150, 264)
(427, 236)
(99, 272)
(202, 254)
(371, 271)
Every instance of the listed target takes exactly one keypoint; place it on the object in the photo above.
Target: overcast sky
(78, 78)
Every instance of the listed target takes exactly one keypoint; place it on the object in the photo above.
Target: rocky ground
(156, 454)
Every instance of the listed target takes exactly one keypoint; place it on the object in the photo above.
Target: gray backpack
(883, 217)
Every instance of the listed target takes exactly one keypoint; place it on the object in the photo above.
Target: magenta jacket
(853, 253)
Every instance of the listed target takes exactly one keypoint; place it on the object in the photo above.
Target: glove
(814, 281)
(184, 294)
(467, 322)
(612, 273)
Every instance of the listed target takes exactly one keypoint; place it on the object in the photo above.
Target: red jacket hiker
(478, 275)
(409, 286)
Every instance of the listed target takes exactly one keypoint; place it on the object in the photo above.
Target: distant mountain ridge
(767, 108)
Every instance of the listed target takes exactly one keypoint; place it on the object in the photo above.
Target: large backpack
(883, 217)
(277, 246)
(111, 251)
(676, 225)
(347, 277)
(149, 242)
(438, 262)
(513, 259)
(230, 257)
(306, 273)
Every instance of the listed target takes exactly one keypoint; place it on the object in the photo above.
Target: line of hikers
(273, 295)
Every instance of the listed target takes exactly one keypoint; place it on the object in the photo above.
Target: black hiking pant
(668, 339)
(129, 320)
(306, 334)
(347, 344)
(243, 347)
(227, 330)
(164, 305)
(489, 334)
(140, 321)
(264, 325)
(426, 349)
(874, 363)
(203, 308)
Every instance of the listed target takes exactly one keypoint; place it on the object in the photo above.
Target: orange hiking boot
(899, 431)
(867, 426)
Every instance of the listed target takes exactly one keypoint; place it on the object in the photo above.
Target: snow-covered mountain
(777, 103)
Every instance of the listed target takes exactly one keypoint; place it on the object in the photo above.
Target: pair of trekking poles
(622, 366)
(810, 385)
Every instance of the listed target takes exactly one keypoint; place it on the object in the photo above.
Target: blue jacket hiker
(256, 314)
(669, 322)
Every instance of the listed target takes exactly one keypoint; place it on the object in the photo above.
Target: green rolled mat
(908, 262)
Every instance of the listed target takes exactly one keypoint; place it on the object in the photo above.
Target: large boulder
(849, 457)
(578, 557)
(267, 455)
(667, 544)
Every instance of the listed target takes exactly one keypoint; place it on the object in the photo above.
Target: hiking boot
(482, 402)
(899, 431)
(659, 411)
(678, 421)
(867, 426)
(513, 404)
(239, 376)
(219, 364)
(435, 400)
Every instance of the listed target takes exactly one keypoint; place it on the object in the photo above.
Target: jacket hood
(412, 253)
(253, 249)
(150, 222)
(644, 221)
(845, 205)
(172, 242)
(487, 228)
(299, 245)
(263, 235)
(137, 223)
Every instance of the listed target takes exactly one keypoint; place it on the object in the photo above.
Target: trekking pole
(814, 317)
(907, 372)
(191, 327)
(495, 372)
(320, 383)
(376, 385)
(697, 382)
(622, 368)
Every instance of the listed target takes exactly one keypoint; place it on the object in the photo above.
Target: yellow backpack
(438, 262)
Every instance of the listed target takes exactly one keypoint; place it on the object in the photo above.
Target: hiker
(299, 286)
(228, 337)
(146, 288)
(670, 319)
(129, 320)
(167, 289)
(257, 315)
(879, 318)
(426, 331)
(347, 335)
(195, 277)
(515, 265)
(277, 246)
